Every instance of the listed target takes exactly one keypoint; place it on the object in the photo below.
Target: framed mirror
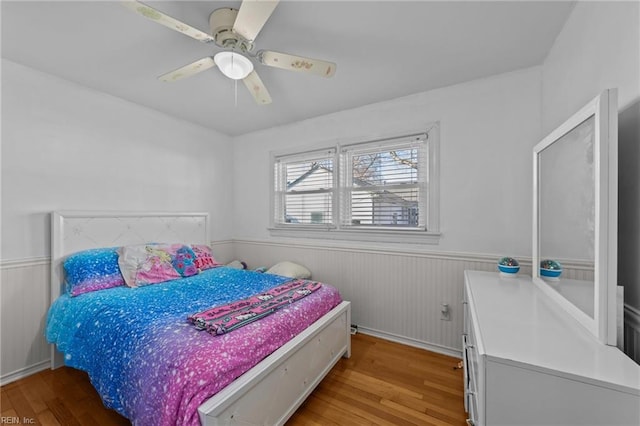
(575, 211)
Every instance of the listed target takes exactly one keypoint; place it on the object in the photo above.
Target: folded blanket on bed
(225, 318)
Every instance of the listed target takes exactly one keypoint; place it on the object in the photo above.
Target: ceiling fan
(235, 30)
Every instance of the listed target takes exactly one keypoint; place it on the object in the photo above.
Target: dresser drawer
(471, 369)
(465, 369)
(472, 349)
(472, 378)
(471, 399)
(474, 365)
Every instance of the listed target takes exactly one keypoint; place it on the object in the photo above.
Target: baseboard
(24, 372)
(410, 342)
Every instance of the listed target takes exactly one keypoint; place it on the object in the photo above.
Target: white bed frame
(270, 392)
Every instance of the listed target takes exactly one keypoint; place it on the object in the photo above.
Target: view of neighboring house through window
(382, 183)
(305, 188)
(374, 185)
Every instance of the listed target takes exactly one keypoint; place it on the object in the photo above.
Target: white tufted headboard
(73, 231)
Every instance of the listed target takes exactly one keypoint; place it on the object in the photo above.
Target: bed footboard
(270, 392)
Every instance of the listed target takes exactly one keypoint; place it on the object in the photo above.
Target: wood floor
(383, 383)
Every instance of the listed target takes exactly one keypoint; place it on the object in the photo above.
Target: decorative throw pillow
(146, 264)
(290, 269)
(184, 261)
(204, 257)
(92, 270)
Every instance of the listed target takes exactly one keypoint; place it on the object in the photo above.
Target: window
(304, 188)
(383, 186)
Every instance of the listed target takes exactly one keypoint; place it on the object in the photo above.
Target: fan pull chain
(235, 92)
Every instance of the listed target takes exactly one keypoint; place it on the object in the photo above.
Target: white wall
(599, 48)
(487, 129)
(65, 146)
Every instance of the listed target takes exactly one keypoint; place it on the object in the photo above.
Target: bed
(153, 366)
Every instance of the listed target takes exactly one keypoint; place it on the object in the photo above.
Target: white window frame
(347, 185)
(429, 233)
(278, 195)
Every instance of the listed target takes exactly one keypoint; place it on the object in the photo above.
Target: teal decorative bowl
(508, 265)
(550, 268)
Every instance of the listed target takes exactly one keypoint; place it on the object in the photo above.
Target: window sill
(367, 235)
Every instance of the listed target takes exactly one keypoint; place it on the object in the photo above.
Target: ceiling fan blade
(188, 70)
(257, 88)
(297, 63)
(252, 16)
(166, 20)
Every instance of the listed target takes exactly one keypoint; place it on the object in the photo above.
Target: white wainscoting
(396, 294)
(632, 332)
(25, 295)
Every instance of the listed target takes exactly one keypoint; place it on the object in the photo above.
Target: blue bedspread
(106, 332)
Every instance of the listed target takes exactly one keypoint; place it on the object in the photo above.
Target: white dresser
(528, 362)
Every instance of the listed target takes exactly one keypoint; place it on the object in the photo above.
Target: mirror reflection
(567, 211)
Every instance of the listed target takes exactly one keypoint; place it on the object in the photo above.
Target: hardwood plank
(47, 418)
(30, 389)
(5, 402)
(378, 386)
(334, 413)
(423, 383)
(377, 370)
(9, 413)
(62, 413)
(444, 388)
(383, 383)
(452, 413)
(364, 401)
(20, 403)
(363, 413)
(304, 416)
(416, 417)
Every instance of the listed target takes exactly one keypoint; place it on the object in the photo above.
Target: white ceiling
(384, 50)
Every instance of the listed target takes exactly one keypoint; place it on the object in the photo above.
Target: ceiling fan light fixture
(233, 65)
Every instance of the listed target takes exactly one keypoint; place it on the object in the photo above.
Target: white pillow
(289, 269)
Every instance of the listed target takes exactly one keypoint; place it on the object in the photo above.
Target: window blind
(304, 188)
(383, 183)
